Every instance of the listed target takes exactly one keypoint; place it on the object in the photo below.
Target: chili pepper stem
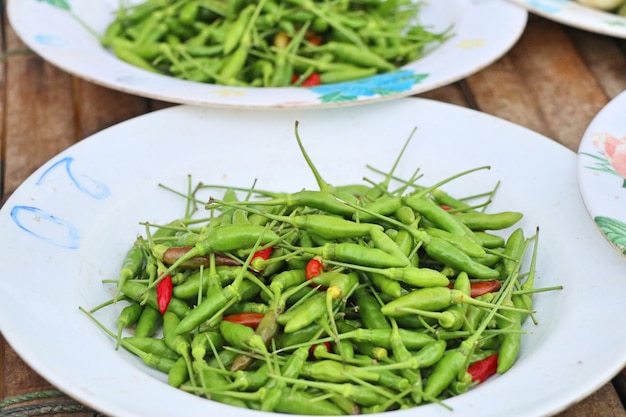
(128, 346)
(321, 183)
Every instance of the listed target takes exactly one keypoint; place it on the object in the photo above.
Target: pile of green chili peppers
(269, 43)
(363, 295)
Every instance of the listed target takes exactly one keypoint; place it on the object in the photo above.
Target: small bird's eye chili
(326, 347)
(484, 368)
(251, 320)
(313, 268)
(164, 293)
(479, 288)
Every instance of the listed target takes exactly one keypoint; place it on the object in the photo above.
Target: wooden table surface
(553, 81)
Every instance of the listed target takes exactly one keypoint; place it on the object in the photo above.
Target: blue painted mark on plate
(46, 226)
(382, 84)
(85, 184)
(50, 40)
(551, 7)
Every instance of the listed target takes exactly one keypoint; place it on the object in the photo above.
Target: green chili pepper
(148, 322)
(510, 342)
(127, 317)
(513, 250)
(332, 371)
(450, 255)
(354, 253)
(152, 345)
(203, 343)
(275, 388)
(444, 199)
(302, 402)
(430, 299)
(178, 374)
(489, 221)
(306, 313)
(238, 29)
(463, 284)
(489, 240)
(437, 215)
(188, 14)
(369, 310)
(446, 370)
(381, 337)
(469, 246)
(211, 305)
(132, 266)
(386, 285)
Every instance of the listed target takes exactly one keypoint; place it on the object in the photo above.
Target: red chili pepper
(329, 348)
(263, 254)
(484, 368)
(247, 319)
(482, 287)
(164, 293)
(258, 259)
(313, 268)
(446, 208)
(313, 38)
(313, 80)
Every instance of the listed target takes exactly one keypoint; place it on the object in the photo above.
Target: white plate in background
(602, 171)
(55, 34)
(571, 13)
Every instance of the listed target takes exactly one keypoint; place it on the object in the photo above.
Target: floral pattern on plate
(602, 171)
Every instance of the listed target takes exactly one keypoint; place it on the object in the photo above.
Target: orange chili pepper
(247, 319)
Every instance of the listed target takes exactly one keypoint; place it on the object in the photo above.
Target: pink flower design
(614, 149)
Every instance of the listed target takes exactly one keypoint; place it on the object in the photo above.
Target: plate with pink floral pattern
(602, 171)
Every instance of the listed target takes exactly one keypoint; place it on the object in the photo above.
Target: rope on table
(42, 403)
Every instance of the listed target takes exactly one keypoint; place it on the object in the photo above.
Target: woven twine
(42, 403)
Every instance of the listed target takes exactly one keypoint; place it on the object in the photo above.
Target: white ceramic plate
(602, 171)
(67, 227)
(49, 28)
(571, 13)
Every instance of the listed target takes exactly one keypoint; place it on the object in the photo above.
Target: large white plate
(479, 39)
(571, 13)
(67, 228)
(602, 171)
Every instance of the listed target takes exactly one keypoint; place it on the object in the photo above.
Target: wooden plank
(39, 113)
(605, 58)
(501, 90)
(604, 402)
(453, 93)
(99, 107)
(3, 344)
(619, 382)
(556, 94)
(2, 108)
